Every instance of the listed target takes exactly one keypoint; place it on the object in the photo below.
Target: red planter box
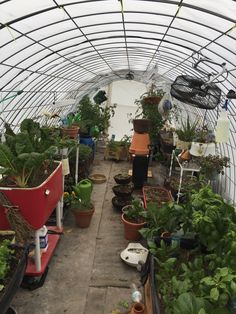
(35, 204)
(156, 194)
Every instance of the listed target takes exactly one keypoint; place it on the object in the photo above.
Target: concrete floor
(86, 274)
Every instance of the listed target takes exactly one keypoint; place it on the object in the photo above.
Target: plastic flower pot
(131, 229)
(35, 204)
(141, 125)
(83, 218)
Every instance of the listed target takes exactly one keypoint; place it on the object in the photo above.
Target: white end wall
(124, 93)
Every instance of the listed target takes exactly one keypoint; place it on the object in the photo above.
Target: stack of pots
(123, 191)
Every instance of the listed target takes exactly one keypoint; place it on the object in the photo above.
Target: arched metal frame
(69, 47)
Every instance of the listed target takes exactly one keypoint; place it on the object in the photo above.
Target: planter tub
(35, 204)
(165, 195)
(202, 149)
(11, 288)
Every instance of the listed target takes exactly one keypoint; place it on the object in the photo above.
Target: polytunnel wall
(54, 52)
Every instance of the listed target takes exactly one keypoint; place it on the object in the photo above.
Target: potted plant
(186, 134)
(32, 174)
(122, 178)
(133, 220)
(123, 190)
(156, 194)
(13, 261)
(212, 166)
(118, 149)
(81, 207)
(70, 128)
(148, 109)
(203, 143)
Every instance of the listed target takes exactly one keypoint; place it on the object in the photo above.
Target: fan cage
(195, 92)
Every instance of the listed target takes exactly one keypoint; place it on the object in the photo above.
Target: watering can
(84, 189)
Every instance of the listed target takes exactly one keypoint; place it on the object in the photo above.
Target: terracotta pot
(185, 155)
(141, 125)
(83, 218)
(132, 229)
(140, 144)
(138, 308)
(151, 100)
(71, 132)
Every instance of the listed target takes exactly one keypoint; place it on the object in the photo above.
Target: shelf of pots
(80, 203)
(202, 278)
(123, 191)
(133, 220)
(13, 260)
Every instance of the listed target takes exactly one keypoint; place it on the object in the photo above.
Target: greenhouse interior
(117, 157)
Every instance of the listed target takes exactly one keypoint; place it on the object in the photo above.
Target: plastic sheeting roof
(56, 49)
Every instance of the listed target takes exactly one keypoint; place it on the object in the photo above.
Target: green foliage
(211, 217)
(23, 154)
(188, 303)
(187, 131)
(149, 110)
(5, 257)
(133, 212)
(213, 164)
(92, 115)
(220, 286)
(166, 217)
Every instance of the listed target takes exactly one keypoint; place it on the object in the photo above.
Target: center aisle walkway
(86, 274)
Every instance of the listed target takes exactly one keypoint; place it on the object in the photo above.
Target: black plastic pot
(185, 243)
(122, 179)
(14, 283)
(123, 190)
(119, 202)
(141, 125)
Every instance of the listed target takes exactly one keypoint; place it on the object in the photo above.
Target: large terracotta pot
(131, 229)
(71, 132)
(35, 204)
(83, 218)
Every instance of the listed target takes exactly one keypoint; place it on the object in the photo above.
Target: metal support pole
(37, 253)
(76, 164)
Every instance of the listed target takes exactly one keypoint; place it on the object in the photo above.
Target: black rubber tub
(14, 283)
(122, 178)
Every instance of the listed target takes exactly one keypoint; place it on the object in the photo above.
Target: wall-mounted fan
(198, 92)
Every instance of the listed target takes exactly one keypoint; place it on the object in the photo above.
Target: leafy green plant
(5, 257)
(92, 115)
(133, 212)
(188, 303)
(211, 217)
(187, 131)
(24, 154)
(219, 287)
(166, 217)
(213, 164)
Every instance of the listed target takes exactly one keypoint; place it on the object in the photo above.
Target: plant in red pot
(81, 205)
(31, 181)
(133, 220)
